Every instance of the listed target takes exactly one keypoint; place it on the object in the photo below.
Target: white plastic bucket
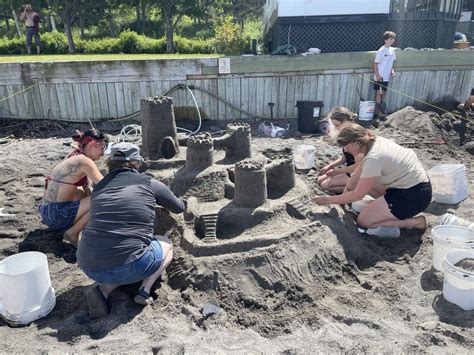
(25, 288)
(458, 285)
(366, 110)
(447, 238)
(449, 183)
(303, 156)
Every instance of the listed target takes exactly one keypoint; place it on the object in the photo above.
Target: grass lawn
(96, 57)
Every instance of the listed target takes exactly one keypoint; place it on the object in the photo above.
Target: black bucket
(309, 113)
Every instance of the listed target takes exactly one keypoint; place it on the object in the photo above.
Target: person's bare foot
(420, 222)
(71, 238)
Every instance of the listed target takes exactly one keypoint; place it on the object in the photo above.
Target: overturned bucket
(303, 156)
(25, 288)
(458, 285)
(447, 238)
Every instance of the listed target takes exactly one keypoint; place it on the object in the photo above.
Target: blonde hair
(354, 133)
(342, 114)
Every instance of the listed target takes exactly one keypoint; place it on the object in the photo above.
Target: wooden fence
(113, 89)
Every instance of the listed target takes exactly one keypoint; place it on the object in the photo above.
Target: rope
(19, 92)
(131, 133)
(414, 98)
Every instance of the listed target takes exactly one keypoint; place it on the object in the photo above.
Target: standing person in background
(32, 20)
(383, 71)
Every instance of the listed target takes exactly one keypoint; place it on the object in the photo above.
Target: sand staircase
(210, 226)
(299, 208)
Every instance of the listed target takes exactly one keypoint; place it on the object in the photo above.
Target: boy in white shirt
(383, 71)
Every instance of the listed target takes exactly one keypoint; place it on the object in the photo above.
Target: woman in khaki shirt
(397, 169)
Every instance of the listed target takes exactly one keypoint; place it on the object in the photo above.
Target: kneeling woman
(118, 245)
(397, 169)
(66, 200)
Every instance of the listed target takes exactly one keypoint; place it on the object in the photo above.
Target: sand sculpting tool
(5, 214)
(438, 140)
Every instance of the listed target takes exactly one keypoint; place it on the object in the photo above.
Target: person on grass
(407, 186)
(32, 20)
(118, 246)
(66, 202)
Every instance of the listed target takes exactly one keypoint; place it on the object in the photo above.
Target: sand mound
(322, 286)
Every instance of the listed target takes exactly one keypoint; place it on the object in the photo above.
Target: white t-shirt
(384, 59)
(394, 165)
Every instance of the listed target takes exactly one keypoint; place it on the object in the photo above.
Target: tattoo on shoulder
(59, 175)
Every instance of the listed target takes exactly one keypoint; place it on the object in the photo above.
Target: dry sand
(324, 288)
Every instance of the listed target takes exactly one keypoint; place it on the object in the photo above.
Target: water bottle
(451, 219)
(386, 232)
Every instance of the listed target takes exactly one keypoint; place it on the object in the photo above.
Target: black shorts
(377, 85)
(406, 203)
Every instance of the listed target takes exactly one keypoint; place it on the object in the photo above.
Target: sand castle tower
(236, 142)
(281, 175)
(250, 184)
(200, 153)
(159, 135)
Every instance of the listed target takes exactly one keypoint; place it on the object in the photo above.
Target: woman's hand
(321, 200)
(325, 169)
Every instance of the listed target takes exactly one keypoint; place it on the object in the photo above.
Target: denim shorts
(30, 33)
(137, 270)
(59, 215)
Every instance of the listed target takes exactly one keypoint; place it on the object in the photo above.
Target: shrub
(98, 46)
(192, 46)
(14, 45)
(229, 38)
(54, 43)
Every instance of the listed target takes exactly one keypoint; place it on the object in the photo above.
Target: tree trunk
(110, 19)
(169, 30)
(7, 24)
(138, 6)
(144, 7)
(17, 23)
(66, 17)
(81, 24)
(53, 23)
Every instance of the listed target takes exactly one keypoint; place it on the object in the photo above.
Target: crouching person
(118, 245)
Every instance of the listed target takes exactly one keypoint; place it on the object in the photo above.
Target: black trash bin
(309, 113)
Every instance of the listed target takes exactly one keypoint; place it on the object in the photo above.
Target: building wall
(79, 91)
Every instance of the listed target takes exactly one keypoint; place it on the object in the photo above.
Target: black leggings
(406, 203)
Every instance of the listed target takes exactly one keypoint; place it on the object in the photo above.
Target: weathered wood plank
(120, 99)
(229, 97)
(87, 102)
(103, 100)
(253, 96)
(221, 93)
(213, 101)
(78, 101)
(5, 109)
(290, 98)
(111, 100)
(54, 110)
(95, 101)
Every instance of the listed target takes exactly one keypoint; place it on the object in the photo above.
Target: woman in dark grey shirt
(118, 245)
